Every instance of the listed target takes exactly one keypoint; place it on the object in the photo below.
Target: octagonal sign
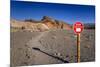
(78, 27)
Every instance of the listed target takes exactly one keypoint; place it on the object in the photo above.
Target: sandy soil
(50, 47)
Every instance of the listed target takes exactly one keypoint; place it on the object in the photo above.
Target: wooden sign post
(78, 47)
(78, 28)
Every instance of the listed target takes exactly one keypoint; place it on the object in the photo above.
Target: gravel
(51, 47)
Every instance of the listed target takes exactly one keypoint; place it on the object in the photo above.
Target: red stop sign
(78, 27)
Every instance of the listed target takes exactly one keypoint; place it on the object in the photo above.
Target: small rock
(57, 54)
(87, 46)
(53, 37)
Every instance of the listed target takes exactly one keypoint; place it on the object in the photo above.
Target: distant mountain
(89, 25)
(45, 23)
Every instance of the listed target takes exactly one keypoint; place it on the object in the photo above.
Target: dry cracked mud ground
(50, 47)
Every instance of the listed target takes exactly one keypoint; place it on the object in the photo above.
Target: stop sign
(78, 27)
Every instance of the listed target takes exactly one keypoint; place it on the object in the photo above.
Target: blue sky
(69, 13)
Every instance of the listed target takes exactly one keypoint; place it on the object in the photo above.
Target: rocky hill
(44, 24)
(55, 23)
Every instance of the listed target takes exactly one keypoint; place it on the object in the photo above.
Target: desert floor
(50, 47)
